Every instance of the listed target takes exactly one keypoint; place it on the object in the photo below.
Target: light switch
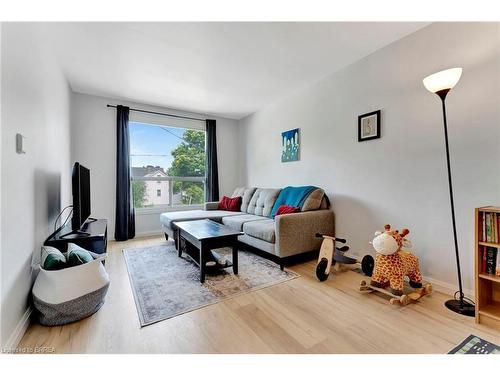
(20, 144)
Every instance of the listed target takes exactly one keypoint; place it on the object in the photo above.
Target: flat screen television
(81, 195)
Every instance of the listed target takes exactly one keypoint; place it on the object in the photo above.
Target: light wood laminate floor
(299, 316)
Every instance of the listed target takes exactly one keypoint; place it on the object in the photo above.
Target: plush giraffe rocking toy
(392, 264)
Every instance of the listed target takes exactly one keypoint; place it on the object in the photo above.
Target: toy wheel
(363, 286)
(404, 300)
(428, 289)
(320, 270)
(367, 265)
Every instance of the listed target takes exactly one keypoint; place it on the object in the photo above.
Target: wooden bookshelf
(487, 285)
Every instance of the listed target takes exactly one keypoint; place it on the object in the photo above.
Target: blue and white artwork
(290, 143)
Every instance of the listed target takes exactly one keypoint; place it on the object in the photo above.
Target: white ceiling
(225, 69)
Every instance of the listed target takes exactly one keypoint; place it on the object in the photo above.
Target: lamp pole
(450, 185)
(459, 306)
(441, 83)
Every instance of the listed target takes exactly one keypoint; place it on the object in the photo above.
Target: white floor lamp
(441, 83)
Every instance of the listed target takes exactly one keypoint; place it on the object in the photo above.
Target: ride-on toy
(329, 256)
(393, 264)
(404, 299)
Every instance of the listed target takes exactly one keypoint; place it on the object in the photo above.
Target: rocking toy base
(464, 308)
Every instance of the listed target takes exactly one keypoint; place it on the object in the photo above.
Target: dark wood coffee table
(205, 236)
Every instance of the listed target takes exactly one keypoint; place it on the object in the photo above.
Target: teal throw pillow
(52, 259)
(77, 255)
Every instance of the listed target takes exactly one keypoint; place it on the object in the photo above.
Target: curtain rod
(160, 113)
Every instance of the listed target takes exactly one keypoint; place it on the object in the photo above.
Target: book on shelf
(492, 235)
(494, 228)
(490, 225)
(490, 260)
(483, 226)
(498, 227)
(487, 236)
(497, 272)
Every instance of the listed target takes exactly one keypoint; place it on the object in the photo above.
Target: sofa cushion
(168, 218)
(314, 200)
(246, 194)
(268, 247)
(325, 203)
(262, 201)
(236, 222)
(261, 229)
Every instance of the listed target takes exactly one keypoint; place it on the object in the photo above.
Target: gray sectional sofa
(283, 237)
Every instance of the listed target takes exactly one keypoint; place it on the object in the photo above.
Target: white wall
(94, 145)
(35, 185)
(401, 178)
(1, 26)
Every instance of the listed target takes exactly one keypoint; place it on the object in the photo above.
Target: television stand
(91, 236)
(77, 232)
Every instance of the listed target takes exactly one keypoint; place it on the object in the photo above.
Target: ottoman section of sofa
(168, 218)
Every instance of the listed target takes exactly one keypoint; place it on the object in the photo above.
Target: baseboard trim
(142, 234)
(18, 333)
(149, 233)
(448, 288)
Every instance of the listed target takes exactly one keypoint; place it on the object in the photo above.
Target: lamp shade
(443, 80)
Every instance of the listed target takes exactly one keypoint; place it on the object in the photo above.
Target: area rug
(475, 345)
(165, 285)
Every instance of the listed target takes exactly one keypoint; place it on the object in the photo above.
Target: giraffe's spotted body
(392, 266)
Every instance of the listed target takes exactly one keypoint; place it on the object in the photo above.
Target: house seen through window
(167, 165)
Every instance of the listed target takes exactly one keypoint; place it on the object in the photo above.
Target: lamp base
(461, 307)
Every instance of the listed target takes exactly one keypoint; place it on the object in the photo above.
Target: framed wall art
(369, 126)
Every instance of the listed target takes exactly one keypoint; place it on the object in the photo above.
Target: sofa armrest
(210, 206)
(296, 233)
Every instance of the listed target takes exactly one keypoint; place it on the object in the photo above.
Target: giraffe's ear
(378, 233)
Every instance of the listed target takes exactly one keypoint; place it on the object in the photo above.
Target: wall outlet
(20, 143)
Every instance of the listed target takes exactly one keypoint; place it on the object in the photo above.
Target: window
(167, 165)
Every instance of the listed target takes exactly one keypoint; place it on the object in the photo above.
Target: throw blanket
(292, 196)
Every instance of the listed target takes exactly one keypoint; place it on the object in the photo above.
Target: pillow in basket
(52, 259)
(77, 255)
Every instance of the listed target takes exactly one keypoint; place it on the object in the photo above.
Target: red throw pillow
(284, 209)
(230, 204)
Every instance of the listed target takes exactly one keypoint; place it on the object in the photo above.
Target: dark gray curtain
(212, 187)
(125, 215)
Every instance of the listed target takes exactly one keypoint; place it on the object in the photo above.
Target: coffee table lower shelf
(212, 256)
(199, 238)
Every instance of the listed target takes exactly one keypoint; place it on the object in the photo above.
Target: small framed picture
(369, 126)
(290, 145)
